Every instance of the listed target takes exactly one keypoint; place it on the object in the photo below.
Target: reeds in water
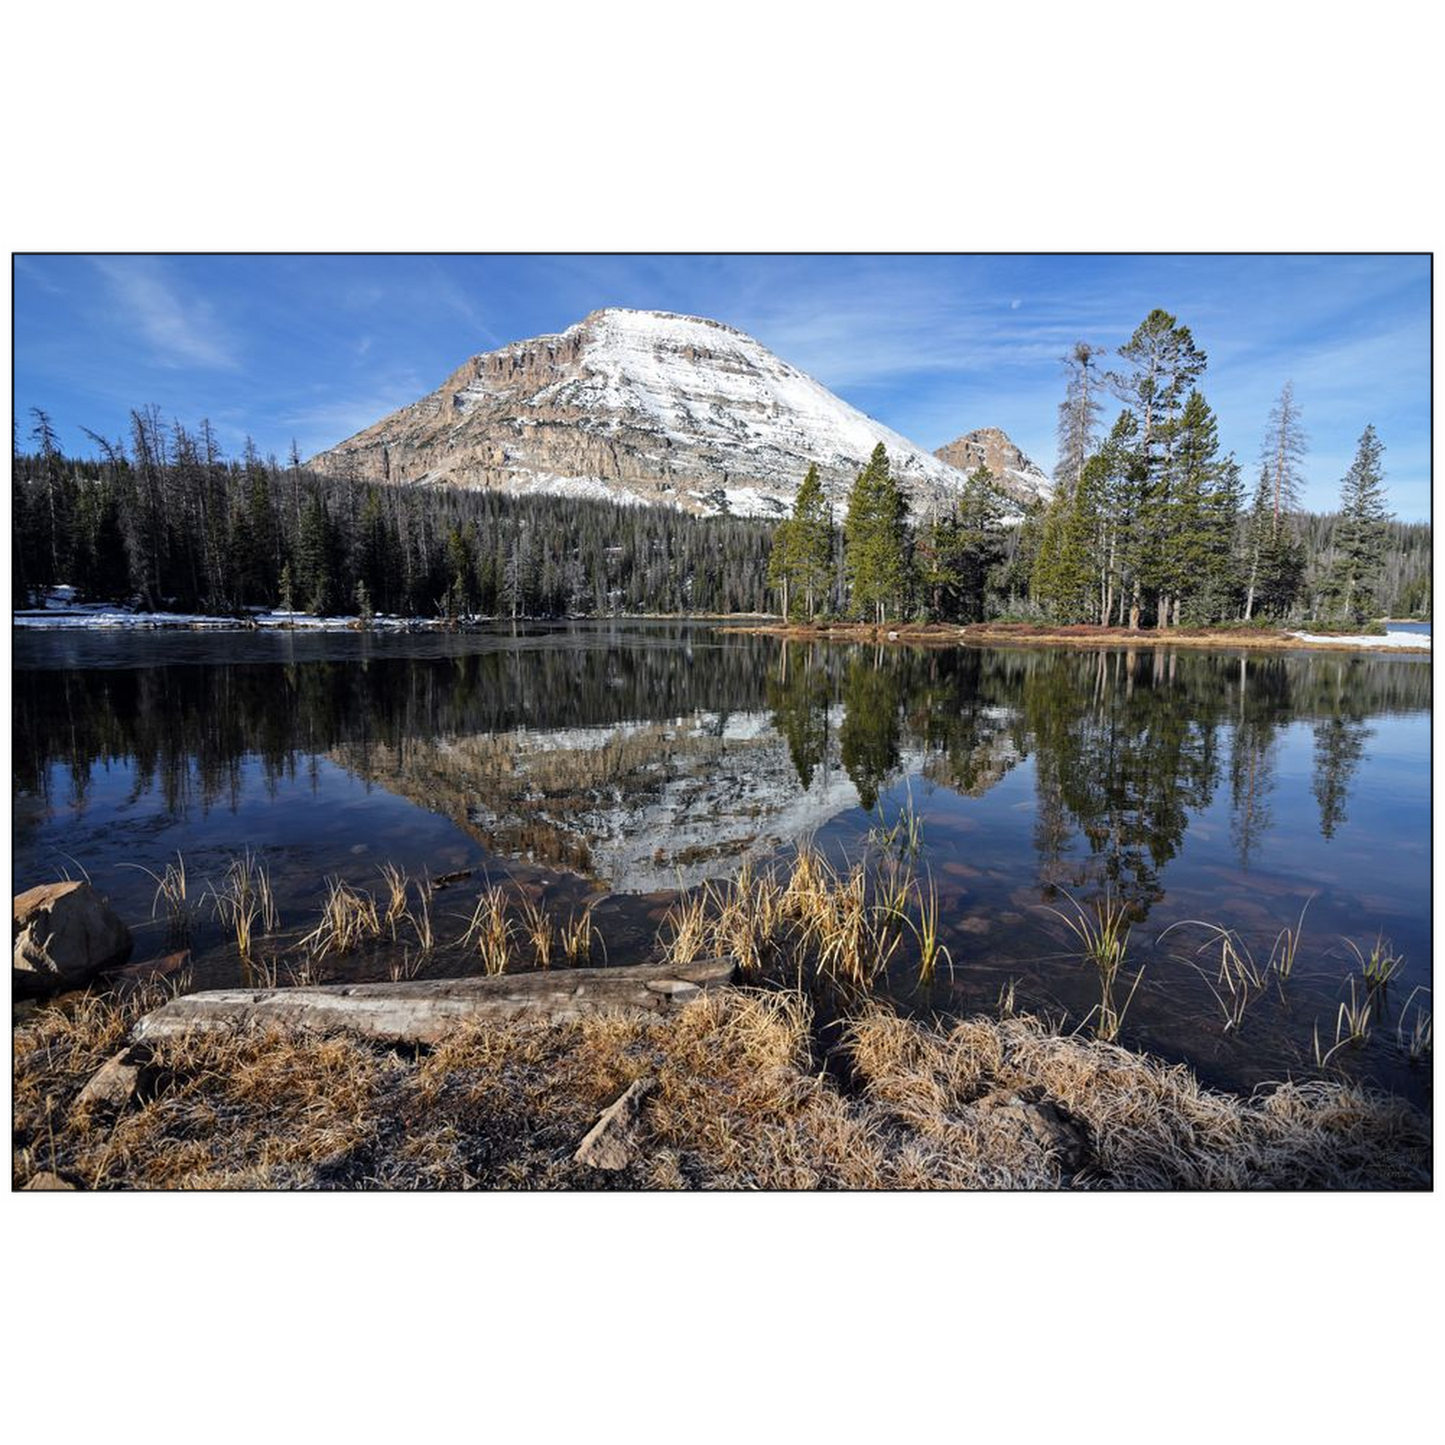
(171, 890)
(420, 920)
(1239, 979)
(1286, 945)
(855, 936)
(245, 903)
(1419, 1039)
(540, 931)
(397, 892)
(1102, 930)
(747, 920)
(402, 969)
(1382, 964)
(491, 930)
(685, 931)
(1352, 1025)
(349, 917)
(902, 838)
(576, 937)
(926, 931)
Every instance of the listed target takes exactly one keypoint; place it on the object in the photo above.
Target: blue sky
(316, 347)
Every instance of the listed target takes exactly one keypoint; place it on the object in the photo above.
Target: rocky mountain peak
(642, 406)
(989, 447)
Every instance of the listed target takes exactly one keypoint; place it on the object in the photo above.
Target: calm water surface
(617, 763)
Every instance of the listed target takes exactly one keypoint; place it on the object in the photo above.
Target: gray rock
(609, 1143)
(64, 934)
(1038, 1119)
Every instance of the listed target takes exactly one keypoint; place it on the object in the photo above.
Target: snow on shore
(1390, 639)
(60, 611)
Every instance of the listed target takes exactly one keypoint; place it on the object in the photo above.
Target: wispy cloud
(182, 328)
(329, 419)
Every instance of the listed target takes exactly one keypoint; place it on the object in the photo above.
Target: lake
(615, 764)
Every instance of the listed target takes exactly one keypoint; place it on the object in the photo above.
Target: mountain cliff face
(988, 447)
(640, 406)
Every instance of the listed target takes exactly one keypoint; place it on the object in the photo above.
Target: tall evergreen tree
(876, 541)
(1273, 561)
(1359, 543)
(1162, 365)
(812, 547)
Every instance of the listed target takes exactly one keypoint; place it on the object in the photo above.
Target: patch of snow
(1390, 639)
(590, 488)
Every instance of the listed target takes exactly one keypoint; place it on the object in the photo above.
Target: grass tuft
(491, 930)
(1102, 931)
(349, 917)
(245, 903)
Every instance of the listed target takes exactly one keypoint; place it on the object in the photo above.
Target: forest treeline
(165, 521)
(1149, 525)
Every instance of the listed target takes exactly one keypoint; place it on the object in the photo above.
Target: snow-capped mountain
(988, 447)
(640, 406)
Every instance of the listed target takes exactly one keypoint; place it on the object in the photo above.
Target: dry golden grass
(244, 901)
(576, 937)
(349, 918)
(740, 1101)
(491, 930)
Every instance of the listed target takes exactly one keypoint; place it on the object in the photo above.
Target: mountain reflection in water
(634, 759)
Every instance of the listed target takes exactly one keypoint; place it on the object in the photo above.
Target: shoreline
(732, 1090)
(992, 634)
(101, 618)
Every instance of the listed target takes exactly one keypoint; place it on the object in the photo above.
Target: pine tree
(1163, 363)
(876, 541)
(1062, 578)
(1359, 543)
(812, 542)
(936, 563)
(315, 566)
(978, 547)
(1273, 562)
(780, 564)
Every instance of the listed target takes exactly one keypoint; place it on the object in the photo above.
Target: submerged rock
(137, 975)
(64, 934)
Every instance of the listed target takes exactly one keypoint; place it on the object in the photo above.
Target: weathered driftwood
(421, 1011)
(609, 1143)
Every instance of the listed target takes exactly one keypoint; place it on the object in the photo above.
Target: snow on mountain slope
(642, 406)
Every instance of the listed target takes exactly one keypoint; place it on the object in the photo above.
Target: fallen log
(422, 1010)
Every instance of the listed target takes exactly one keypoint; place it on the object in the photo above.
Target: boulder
(64, 934)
